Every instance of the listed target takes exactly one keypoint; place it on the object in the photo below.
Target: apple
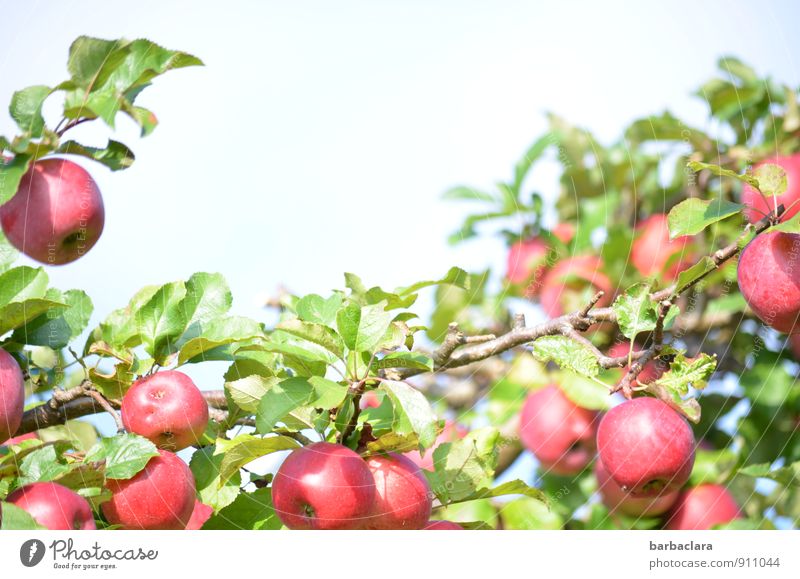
(450, 433)
(160, 497)
(701, 507)
(370, 399)
(564, 232)
(617, 500)
(54, 506)
(201, 513)
(526, 264)
(443, 526)
(769, 279)
(12, 395)
(572, 283)
(652, 249)
(557, 431)
(651, 372)
(647, 447)
(57, 213)
(166, 408)
(323, 486)
(403, 495)
(757, 206)
(19, 439)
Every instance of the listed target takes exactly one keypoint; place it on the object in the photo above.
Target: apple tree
(653, 386)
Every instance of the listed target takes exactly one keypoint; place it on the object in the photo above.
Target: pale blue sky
(320, 135)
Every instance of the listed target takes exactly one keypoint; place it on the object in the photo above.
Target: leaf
(246, 448)
(11, 173)
(698, 270)
(115, 155)
(684, 372)
(412, 360)
(464, 466)
(22, 283)
(315, 333)
(162, 319)
(693, 215)
(42, 465)
(17, 519)
(362, 328)
(464, 193)
(533, 153)
(56, 328)
(637, 313)
(530, 514)
(89, 56)
(293, 393)
(247, 392)
(771, 179)
(8, 253)
(455, 276)
(584, 392)
(787, 476)
(250, 511)
(211, 488)
(208, 297)
(665, 127)
(218, 333)
(124, 454)
(316, 309)
(393, 442)
(697, 166)
(412, 412)
(514, 487)
(17, 314)
(26, 109)
(567, 353)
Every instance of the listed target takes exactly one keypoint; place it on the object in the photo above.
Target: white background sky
(320, 135)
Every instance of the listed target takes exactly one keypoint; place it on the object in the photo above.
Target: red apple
(701, 507)
(12, 395)
(557, 431)
(617, 500)
(54, 506)
(572, 283)
(19, 439)
(403, 497)
(564, 232)
(652, 249)
(647, 447)
(443, 526)
(370, 399)
(201, 513)
(755, 201)
(769, 279)
(160, 497)
(652, 370)
(57, 213)
(450, 433)
(526, 264)
(166, 408)
(323, 486)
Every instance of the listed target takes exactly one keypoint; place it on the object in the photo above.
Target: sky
(320, 136)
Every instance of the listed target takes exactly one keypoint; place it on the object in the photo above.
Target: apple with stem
(557, 431)
(403, 495)
(54, 506)
(646, 447)
(702, 507)
(12, 395)
(167, 409)
(323, 486)
(57, 214)
(160, 497)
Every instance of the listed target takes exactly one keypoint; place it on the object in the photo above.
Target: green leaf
(684, 372)
(393, 442)
(162, 319)
(693, 215)
(124, 454)
(17, 519)
(464, 466)
(412, 412)
(218, 333)
(43, 465)
(697, 166)
(115, 155)
(412, 360)
(212, 489)
(17, 314)
(514, 487)
(787, 476)
(246, 448)
(584, 392)
(22, 283)
(208, 297)
(250, 511)
(88, 57)
(8, 253)
(665, 127)
(530, 514)
(464, 193)
(362, 328)
(143, 117)
(698, 270)
(637, 313)
(567, 353)
(533, 153)
(316, 309)
(315, 333)
(56, 328)
(26, 109)
(771, 179)
(11, 173)
(247, 392)
(455, 276)
(292, 393)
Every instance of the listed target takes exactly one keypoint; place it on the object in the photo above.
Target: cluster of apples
(644, 456)
(57, 214)
(168, 409)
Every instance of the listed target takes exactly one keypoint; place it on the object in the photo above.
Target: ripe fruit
(167, 408)
(19, 439)
(752, 198)
(370, 399)
(160, 497)
(652, 370)
(617, 500)
(564, 232)
(201, 513)
(57, 214)
(572, 283)
(403, 496)
(702, 507)
(653, 248)
(54, 506)
(323, 486)
(443, 526)
(769, 279)
(526, 264)
(646, 446)
(450, 433)
(557, 431)
(12, 395)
